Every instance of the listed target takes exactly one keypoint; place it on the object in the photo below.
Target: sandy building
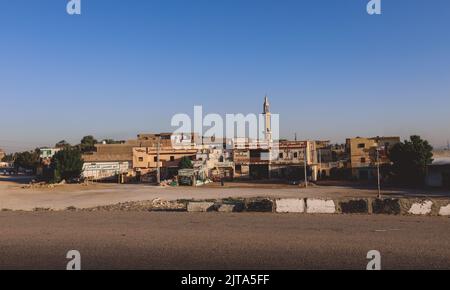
(365, 153)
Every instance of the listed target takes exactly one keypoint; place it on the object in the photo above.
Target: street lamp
(306, 174)
(378, 173)
(158, 170)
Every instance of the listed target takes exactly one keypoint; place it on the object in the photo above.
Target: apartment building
(365, 153)
(109, 160)
(145, 160)
(286, 159)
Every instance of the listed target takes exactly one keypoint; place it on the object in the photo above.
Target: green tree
(66, 164)
(410, 160)
(62, 144)
(88, 144)
(27, 160)
(185, 163)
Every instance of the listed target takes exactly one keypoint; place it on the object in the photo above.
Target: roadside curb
(363, 206)
(372, 206)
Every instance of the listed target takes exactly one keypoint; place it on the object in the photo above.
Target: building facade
(145, 160)
(364, 154)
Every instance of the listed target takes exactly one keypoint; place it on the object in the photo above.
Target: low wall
(387, 206)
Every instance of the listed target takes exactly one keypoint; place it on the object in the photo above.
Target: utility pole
(158, 171)
(320, 162)
(306, 173)
(378, 173)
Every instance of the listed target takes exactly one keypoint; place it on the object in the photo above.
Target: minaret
(267, 120)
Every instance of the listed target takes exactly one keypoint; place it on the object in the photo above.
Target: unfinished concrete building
(365, 153)
(285, 160)
(145, 160)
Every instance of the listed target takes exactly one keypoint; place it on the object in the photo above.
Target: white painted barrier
(290, 205)
(320, 206)
(421, 208)
(445, 210)
(200, 206)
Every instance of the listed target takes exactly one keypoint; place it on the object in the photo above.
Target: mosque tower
(267, 120)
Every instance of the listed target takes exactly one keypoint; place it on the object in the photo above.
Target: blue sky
(124, 67)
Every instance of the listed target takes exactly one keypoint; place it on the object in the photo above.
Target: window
(172, 158)
(363, 160)
(361, 145)
(155, 159)
(281, 155)
(238, 169)
(141, 159)
(295, 155)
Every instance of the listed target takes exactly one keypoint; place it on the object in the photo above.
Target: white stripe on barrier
(445, 210)
(421, 208)
(290, 205)
(320, 206)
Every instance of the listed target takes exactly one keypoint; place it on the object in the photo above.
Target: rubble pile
(149, 205)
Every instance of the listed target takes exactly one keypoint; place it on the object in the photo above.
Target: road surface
(242, 241)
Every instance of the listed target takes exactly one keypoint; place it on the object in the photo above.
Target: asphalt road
(185, 241)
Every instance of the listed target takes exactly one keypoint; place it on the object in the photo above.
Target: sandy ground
(13, 196)
(252, 241)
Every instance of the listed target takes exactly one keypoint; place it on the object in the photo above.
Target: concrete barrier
(290, 205)
(259, 205)
(200, 206)
(386, 206)
(445, 210)
(231, 207)
(421, 208)
(354, 206)
(320, 206)
(392, 206)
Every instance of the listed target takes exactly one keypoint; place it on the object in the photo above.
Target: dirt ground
(15, 196)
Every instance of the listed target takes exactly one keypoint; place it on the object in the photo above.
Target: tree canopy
(62, 144)
(185, 163)
(66, 164)
(410, 160)
(88, 144)
(26, 160)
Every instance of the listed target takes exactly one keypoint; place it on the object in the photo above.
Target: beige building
(216, 161)
(292, 158)
(284, 160)
(365, 153)
(2, 154)
(131, 153)
(124, 151)
(145, 159)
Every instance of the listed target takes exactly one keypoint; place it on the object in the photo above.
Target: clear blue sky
(125, 67)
